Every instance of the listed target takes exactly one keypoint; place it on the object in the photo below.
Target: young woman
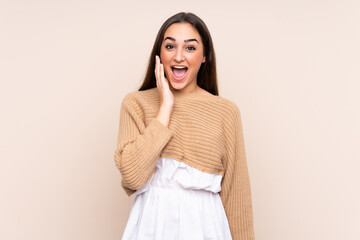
(180, 145)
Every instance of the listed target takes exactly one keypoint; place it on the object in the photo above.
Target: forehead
(182, 31)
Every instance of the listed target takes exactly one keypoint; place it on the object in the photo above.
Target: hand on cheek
(162, 83)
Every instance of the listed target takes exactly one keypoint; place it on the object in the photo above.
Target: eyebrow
(187, 40)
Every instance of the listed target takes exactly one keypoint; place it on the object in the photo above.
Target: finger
(157, 72)
(162, 72)
(156, 66)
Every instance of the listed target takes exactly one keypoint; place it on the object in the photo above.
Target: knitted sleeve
(235, 186)
(138, 146)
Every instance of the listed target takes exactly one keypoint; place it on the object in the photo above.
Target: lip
(179, 66)
(182, 78)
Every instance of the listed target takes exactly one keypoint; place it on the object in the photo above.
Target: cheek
(164, 57)
(195, 59)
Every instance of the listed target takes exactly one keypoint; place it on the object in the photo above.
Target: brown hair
(207, 77)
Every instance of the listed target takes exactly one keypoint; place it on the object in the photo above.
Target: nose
(179, 55)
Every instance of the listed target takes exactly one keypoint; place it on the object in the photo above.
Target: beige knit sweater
(204, 132)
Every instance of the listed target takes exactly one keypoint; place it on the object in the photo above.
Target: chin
(177, 85)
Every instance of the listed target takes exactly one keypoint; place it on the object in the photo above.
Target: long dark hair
(207, 77)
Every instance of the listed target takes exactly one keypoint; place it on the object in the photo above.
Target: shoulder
(139, 97)
(229, 106)
(140, 102)
(230, 113)
(231, 120)
(143, 94)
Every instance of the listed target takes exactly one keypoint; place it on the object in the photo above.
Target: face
(182, 54)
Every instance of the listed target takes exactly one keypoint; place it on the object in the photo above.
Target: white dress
(178, 203)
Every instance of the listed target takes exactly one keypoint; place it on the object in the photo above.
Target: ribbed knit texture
(204, 131)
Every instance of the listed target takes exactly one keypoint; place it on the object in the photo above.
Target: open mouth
(179, 72)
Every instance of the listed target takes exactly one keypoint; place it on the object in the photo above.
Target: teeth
(178, 67)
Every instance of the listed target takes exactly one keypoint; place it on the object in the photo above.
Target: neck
(184, 92)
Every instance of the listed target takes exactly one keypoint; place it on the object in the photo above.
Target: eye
(169, 46)
(191, 48)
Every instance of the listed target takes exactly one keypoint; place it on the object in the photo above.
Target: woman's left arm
(235, 187)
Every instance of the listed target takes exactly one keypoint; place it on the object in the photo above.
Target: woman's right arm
(139, 146)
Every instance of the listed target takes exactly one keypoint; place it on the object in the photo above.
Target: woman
(180, 146)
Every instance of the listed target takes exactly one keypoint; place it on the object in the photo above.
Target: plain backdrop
(292, 67)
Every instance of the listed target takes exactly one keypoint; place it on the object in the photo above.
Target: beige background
(291, 66)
